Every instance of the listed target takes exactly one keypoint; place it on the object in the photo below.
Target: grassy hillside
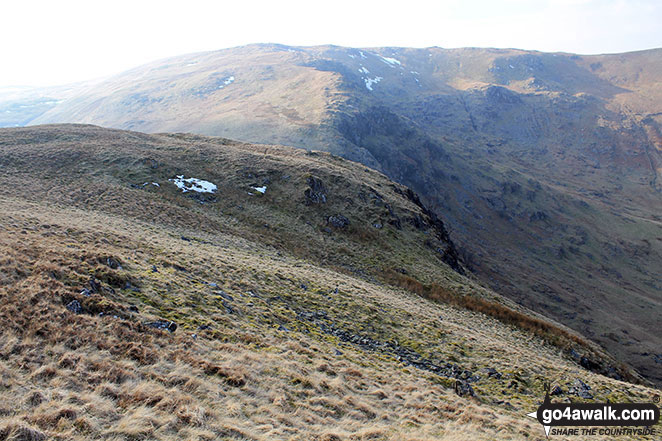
(290, 322)
(547, 166)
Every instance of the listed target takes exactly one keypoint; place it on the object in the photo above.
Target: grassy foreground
(288, 327)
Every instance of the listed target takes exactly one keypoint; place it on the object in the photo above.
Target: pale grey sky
(60, 41)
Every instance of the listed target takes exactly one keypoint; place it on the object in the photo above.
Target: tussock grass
(90, 376)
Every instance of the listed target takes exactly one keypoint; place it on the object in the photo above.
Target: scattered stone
(186, 239)
(113, 263)
(400, 353)
(377, 225)
(316, 194)
(505, 404)
(589, 364)
(283, 328)
(491, 372)
(228, 307)
(581, 389)
(203, 327)
(154, 269)
(338, 353)
(74, 306)
(128, 285)
(338, 221)
(133, 308)
(225, 295)
(95, 285)
(86, 292)
(463, 388)
(396, 223)
(163, 324)
(213, 285)
(556, 390)
(538, 216)
(304, 287)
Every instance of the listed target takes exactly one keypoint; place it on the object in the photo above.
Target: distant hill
(546, 167)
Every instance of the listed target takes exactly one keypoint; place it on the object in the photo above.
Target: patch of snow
(391, 61)
(413, 72)
(193, 184)
(155, 184)
(370, 81)
(364, 70)
(351, 56)
(511, 66)
(193, 63)
(229, 80)
(362, 54)
(262, 189)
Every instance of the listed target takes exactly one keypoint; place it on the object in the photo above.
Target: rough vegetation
(547, 167)
(133, 311)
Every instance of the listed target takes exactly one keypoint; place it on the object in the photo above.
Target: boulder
(337, 221)
(556, 390)
(163, 324)
(463, 388)
(75, 307)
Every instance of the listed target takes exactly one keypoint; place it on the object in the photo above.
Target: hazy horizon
(73, 40)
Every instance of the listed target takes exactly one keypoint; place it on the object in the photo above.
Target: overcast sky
(60, 41)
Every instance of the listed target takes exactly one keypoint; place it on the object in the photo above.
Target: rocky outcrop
(317, 193)
(338, 221)
(443, 244)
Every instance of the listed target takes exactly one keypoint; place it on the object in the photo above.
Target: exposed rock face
(443, 245)
(316, 194)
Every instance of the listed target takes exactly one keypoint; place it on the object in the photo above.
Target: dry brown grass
(70, 376)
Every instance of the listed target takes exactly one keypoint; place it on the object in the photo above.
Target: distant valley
(545, 167)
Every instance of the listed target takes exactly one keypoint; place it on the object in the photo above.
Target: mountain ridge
(545, 166)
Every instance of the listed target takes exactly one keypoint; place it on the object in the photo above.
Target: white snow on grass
(193, 184)
(226, 82)
(511, 66)
(351, 56)
(155, 184)
(391, 61)
(362, 54)
(262, 189)
(413, 72)
(192, 63)
(364, 70)
(370, 81)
